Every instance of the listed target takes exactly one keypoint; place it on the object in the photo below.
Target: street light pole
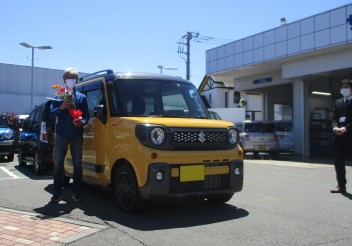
(161, 67)
(32, 67)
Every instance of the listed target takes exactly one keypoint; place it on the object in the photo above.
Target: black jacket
(339, 111)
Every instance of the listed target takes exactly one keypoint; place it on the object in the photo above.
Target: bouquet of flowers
(64, 94)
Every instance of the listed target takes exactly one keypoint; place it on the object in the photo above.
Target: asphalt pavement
(283, 202)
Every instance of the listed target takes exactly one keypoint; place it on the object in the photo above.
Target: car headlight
(8, 134)
(155, 136)
(233, 136)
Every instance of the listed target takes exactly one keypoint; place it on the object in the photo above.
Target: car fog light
(159, 176)
(237, 171)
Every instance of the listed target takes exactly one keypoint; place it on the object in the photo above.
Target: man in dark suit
(342, 127)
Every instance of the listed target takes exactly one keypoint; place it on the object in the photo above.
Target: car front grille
(199, 139)
(213, 182)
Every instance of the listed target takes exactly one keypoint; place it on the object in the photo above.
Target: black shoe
(77, 198)
(56, 198)
(339, 189)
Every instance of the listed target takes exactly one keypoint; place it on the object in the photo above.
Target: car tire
(10, 157)
(20, 158)
(38, 164)
(219, 199)
(126, 191)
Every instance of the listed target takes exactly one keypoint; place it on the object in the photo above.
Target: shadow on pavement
(348, 195)
(161, 215)
(28, 170)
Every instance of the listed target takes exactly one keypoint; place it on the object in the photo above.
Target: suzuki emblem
(201, 138)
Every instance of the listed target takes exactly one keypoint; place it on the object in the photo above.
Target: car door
(95, 135)
(28, 135)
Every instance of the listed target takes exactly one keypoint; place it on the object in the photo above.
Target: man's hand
(77, 122)
(65, 104)
(340, 131)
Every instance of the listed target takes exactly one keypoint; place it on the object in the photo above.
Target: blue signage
(261, 81)
(349, 20)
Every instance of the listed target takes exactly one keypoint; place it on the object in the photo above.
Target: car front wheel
(20, 158)
(10, 157)
(126, 191)
(38, 166)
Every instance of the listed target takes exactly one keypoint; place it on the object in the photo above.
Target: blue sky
(136, 35)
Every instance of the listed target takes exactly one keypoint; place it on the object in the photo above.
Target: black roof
(110, 74)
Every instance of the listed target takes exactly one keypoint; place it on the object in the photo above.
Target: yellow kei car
(150, 136)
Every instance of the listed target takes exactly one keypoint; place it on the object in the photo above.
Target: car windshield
(159, 98)
(283, 126)
(258, 127)
(3, 122)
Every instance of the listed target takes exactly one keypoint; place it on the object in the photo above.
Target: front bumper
(214, 183)
(7, 147)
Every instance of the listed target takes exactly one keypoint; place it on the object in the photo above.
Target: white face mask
(70, 83)
(346, 92)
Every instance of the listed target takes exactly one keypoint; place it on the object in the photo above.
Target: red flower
(75, 113)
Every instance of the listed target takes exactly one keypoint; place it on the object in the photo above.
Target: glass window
(94, 98)
(3, 121)
(145, 97)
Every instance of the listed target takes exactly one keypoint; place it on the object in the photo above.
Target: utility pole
(188, 38)
(188, 62)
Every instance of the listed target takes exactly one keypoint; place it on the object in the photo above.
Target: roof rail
(106, 71)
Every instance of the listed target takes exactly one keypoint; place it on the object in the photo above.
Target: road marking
(8, 172)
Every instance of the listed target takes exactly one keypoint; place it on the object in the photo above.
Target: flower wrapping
(64, 94)
(75, 113)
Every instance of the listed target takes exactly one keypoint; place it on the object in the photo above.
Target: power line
(185, 41)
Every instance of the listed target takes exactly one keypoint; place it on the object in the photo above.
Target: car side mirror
(99, 111)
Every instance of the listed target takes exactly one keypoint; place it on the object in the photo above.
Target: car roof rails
(106, 71)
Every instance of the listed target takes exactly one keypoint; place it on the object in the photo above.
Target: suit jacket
(339, 111)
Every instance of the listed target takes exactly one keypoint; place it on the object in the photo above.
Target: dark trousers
(342, 151)
(60, 150)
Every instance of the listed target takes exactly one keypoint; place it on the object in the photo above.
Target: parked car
(36, 139)
(214, 115)
(140, 124)
(18, 127)
(285, 135)
(258, 136)
(6, 139)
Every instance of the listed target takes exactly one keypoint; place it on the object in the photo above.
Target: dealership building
(290, 72)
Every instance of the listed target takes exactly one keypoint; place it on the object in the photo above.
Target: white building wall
(15, 86)
(313, 33)
(318, 64)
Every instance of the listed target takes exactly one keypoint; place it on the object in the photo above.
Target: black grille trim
(200, 139)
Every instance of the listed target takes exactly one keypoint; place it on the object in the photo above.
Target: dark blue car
(6, 139)
(36, 140)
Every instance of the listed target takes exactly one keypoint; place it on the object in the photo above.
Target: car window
(283, 126)
(259, 127)
(37, 115)
(253, 127)
(3, 121)
(268, 127)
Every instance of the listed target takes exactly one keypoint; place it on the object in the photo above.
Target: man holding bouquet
(70, 109)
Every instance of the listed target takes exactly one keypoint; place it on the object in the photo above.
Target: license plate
(281, 137)
(192, 173)
(262, 147)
